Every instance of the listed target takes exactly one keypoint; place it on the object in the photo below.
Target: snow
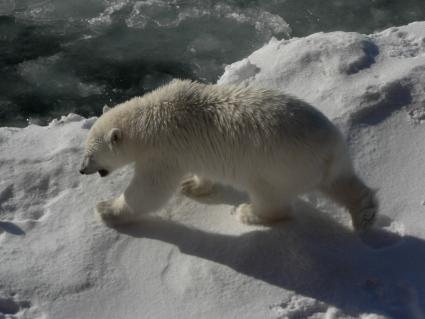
(192, 259)
(343, 74)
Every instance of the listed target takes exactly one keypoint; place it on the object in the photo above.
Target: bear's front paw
(112, 211)
(196, 187)
(245, 215)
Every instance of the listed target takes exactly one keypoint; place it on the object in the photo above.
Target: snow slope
(195, 260)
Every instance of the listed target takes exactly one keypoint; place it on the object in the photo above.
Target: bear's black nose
(82, 172)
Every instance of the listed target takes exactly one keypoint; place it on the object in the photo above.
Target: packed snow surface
(194, 260)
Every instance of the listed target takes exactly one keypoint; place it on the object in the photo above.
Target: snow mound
(195, 260)
(343, 74)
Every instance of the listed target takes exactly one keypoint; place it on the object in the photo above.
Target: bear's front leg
(152, 185)
(115, 211)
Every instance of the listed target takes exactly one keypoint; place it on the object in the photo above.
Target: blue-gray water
(63, 56)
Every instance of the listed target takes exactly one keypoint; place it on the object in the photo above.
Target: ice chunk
(88, 123)
(239, 72)
(71, 117)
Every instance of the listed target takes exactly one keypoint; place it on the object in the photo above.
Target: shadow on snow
(314, 256)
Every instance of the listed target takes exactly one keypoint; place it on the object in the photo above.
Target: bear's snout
(83, 167)
(85, 170)
(87, 166)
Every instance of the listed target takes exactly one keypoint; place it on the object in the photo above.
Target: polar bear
(267, 143)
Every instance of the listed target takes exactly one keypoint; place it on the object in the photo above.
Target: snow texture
(193, 260)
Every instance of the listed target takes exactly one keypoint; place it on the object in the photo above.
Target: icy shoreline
(197, 261)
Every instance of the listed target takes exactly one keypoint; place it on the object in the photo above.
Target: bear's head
(105, 149)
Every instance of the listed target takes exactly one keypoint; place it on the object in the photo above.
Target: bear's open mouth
(103, 172)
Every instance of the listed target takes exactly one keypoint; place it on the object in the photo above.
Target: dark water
(75, 56)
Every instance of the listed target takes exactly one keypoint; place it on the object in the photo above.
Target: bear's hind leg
(268, 204)
(196, 186)
(350, 192)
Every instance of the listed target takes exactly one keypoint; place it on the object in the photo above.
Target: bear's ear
(106, 109)
(114, 136)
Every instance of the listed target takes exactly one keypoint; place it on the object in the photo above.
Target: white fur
(269, 144)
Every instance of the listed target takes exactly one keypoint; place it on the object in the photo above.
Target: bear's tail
(360, 200)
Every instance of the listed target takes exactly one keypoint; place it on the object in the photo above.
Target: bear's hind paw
(365, 219)
(245, 215)
(195, 187)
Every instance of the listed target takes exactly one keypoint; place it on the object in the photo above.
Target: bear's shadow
(311, 255)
